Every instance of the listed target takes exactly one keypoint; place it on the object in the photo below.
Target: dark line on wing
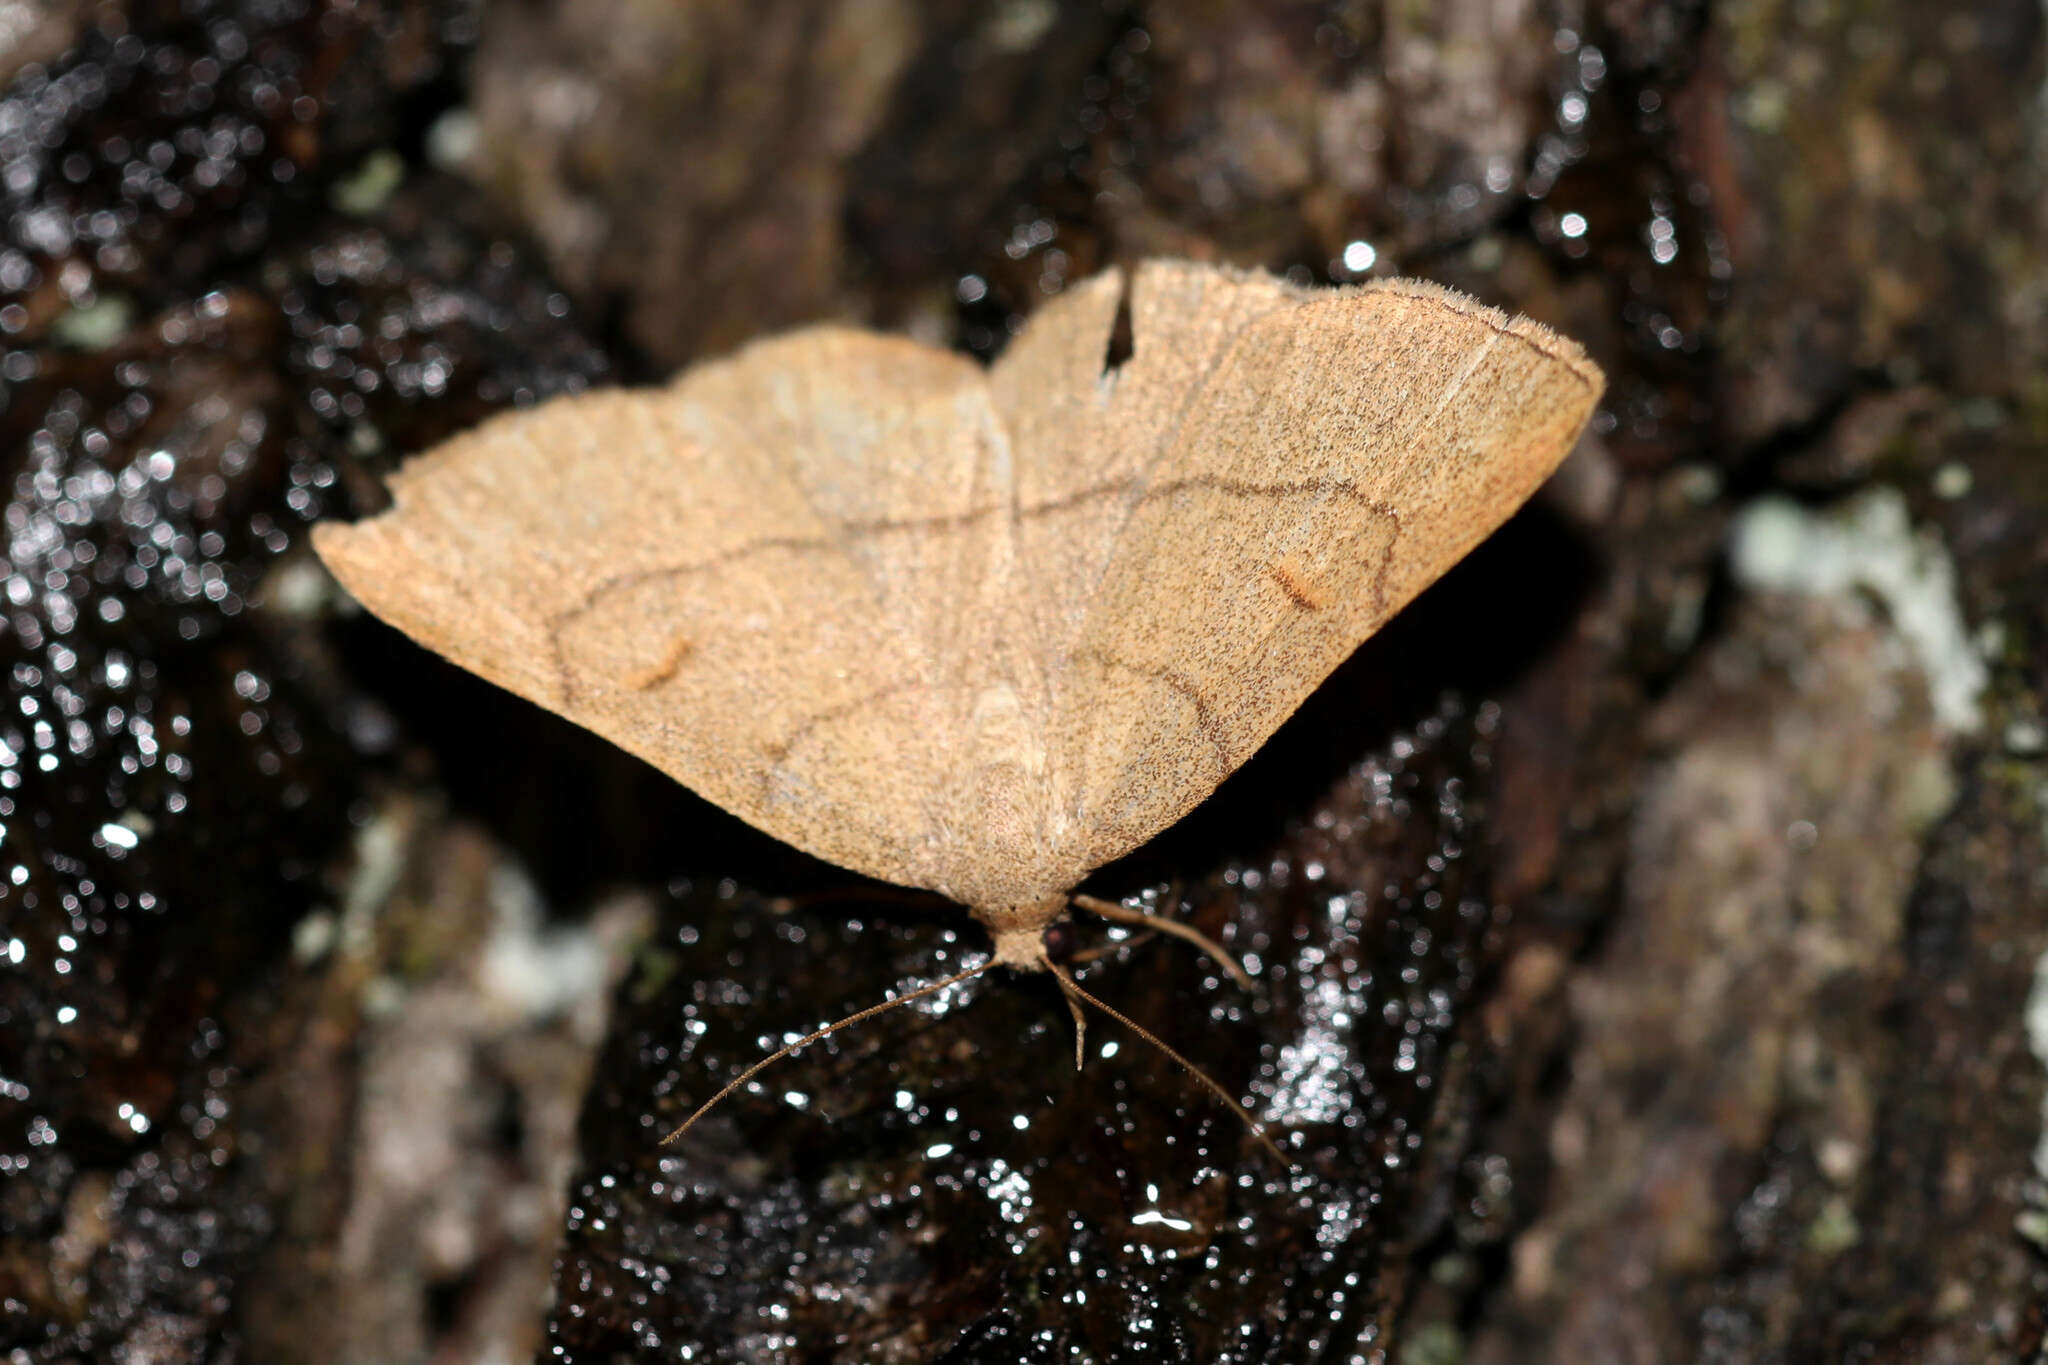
(779, 751)
(1205, 717)
(849, 532)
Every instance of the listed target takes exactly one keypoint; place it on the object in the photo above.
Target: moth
(980, 630)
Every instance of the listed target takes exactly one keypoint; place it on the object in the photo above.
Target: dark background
(1645, 921)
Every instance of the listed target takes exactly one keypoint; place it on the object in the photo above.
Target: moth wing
(1334, 458)
(710, 575)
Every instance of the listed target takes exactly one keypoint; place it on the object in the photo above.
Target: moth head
(1019, 932)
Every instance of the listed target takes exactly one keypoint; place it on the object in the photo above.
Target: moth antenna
(1124, 914)
(1073, 989)
(870, 1012)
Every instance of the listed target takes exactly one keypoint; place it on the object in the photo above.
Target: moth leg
(1124, 914)
(1080, 1022)
(1102, 950)
(1075, 992)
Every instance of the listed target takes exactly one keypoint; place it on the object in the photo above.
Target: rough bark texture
(1647, 923)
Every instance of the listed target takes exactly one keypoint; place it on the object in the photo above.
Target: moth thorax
(1019, 931)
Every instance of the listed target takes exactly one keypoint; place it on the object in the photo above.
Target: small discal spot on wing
(663, 668)
(1300, 589)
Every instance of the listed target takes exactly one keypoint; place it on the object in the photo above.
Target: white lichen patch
(303, 590)
(453, 139)
(374, 876)
(1864, 548)
(370, 187)
(2037, 1042)
(94, 326)
(530, 970)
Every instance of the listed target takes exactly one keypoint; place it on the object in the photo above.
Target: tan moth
(980, 630)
